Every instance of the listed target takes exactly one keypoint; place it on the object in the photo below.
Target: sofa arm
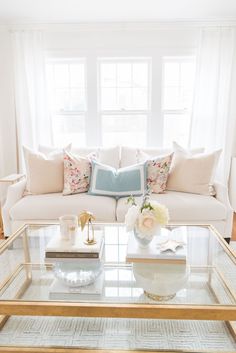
(222, 195)
(14, 193)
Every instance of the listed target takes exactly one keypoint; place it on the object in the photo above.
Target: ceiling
(77, 11)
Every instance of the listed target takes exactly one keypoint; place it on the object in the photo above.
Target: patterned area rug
(117, 334)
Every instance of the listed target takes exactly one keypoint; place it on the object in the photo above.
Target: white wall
(8, 156)
(104, 39)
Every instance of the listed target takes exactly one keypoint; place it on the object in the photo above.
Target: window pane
(172, 98)
(140, 75)
(140, 99)
(69, 129)
(108, 99)
(178, 83)
(61, 100)
(172, 73)
(124, 75)
(124, 98)
(61, 75)
(176, 128)
(77, 78)
(77, 100)
(108, 75)
(124, 86)
(66, 86)
(124, 129)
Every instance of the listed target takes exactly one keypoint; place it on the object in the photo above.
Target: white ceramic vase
(161, 281)
(144, 240)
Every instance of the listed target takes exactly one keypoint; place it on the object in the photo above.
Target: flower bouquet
(145, 220)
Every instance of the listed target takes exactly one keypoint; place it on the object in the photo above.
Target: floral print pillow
(77, 172)
(157, 173)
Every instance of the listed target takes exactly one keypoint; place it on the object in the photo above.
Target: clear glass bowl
(78, 273)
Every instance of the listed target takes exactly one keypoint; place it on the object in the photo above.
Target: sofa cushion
(52, 206)
(182, 207)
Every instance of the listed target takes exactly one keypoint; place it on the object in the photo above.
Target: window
(124, 100)
(134, 101)
(67, 97)
(177, 89)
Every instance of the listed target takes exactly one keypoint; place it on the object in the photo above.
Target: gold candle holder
(86, 218)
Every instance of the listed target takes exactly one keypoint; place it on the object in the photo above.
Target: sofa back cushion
(106, 180)
(132, 155)
(109, 156)
(50, 150)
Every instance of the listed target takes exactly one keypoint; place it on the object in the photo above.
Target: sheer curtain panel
(213, 117)
(32, 115)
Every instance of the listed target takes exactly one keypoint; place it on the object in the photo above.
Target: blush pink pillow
(77, 172)
(157, 171)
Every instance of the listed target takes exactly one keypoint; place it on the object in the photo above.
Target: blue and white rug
(117, 334)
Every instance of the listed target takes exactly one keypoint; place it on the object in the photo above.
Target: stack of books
(154, 254)
(58, 249)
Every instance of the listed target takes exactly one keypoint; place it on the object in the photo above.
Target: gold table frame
(76, 309)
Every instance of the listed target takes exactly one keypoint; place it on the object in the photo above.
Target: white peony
(161, 213)
(147, 223)
(131, 217)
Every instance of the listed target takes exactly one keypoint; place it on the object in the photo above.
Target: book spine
(153, 260)
(72, 255)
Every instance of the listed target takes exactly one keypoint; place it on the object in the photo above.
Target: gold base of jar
(159, 298)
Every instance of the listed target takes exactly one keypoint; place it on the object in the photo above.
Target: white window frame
(124, 112)
(179, 59)
(93, 115)
(72, 113)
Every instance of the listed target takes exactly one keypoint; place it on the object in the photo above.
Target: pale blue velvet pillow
(109, 181)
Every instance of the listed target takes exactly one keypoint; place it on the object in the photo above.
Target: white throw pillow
(44, 174)
(192, 173)
(49, 150)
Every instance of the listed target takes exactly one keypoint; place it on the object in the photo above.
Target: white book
(153, 252)
(58, 247)
(59, 291)
(55, 257)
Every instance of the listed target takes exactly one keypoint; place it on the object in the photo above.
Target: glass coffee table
(206, 297)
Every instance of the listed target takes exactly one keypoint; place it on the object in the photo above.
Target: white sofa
(184, 208)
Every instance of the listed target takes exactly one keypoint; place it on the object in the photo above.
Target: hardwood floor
(1, 226)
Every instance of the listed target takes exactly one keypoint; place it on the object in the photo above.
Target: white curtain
(213, 118)
(32, 114)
